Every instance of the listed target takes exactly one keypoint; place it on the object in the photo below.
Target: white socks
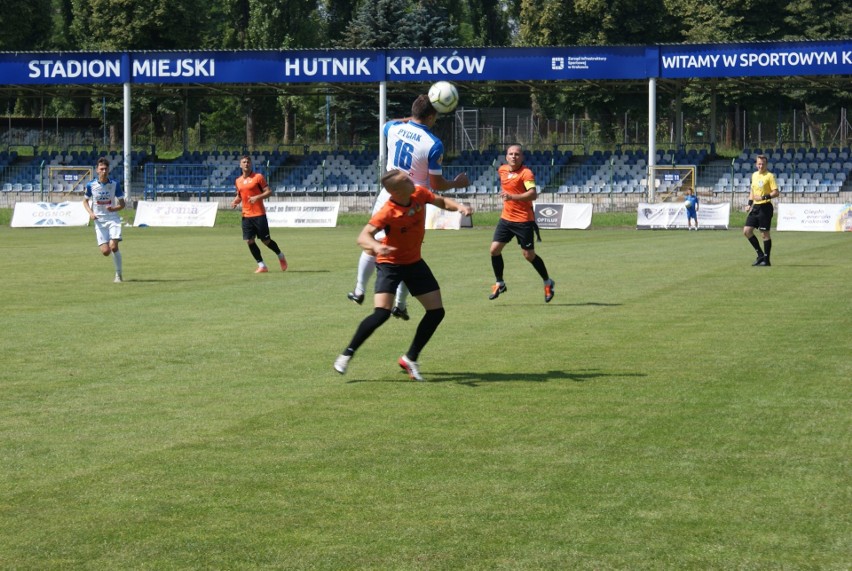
(366, 267)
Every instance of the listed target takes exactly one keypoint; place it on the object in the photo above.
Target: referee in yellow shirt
(760, 210)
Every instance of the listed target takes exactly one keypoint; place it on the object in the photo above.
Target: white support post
(652, 130)
(128, 168)
(383, 111)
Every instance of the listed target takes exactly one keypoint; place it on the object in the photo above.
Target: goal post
(65, 180)
(673, 181)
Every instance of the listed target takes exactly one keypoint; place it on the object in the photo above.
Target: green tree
(26, 26)
(335, 15)
(592, 23)
(388, 24)
(128, 25)
(489, 23)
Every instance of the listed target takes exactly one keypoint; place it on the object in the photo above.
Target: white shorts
(108, 228)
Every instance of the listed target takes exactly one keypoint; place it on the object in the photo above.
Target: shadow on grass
(474, 379)
(158, 280)
(562, 304)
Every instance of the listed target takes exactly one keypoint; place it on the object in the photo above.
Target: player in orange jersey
(398, 259)
(517, 220)
(252, 188)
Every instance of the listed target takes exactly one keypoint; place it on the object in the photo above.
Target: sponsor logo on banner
(302, 214)
(151, 213)
(45, 214)
(672, 215)
(815, 217)
(548, 215)
(565, 216)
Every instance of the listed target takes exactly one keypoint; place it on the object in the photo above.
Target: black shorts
(760, 216)
(523, 231)
(417, 277)
(256, 227)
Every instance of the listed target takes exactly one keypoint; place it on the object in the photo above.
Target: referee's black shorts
(760, 216)
(523, 231)
(418, 278)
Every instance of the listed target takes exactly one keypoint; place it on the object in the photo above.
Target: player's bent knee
(437, 315)
(380, 314)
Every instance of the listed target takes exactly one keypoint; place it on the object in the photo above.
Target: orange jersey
(516, 182)
(248, 187)
(404, 226)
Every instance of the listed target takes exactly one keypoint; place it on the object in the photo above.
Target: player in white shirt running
(103, 199)
(414, 149)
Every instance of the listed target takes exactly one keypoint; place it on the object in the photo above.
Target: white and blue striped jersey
(102, 195)
(414, 149)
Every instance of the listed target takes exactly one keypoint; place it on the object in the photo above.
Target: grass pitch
(671, 408)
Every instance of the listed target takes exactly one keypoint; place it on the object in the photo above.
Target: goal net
(65, 180)
(671, 183)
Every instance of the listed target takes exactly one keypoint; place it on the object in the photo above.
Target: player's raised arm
(439, 183)
(451, 205)
(367, 241)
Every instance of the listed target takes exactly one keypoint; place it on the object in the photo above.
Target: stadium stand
(40, 173)
(807, 171)
(803, 170)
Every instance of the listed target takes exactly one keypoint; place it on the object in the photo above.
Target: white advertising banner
(42, 214)
(440, 219)
(563, 215)
(667, 215)
(162, 213)
(815, 217)
(302, 214)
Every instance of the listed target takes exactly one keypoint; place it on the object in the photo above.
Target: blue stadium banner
(756, 60)
(520, 64)
(329, 66)
(303, 66)
(76, 68)
(429, 64)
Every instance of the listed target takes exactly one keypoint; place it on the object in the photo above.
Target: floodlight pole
(652, 129)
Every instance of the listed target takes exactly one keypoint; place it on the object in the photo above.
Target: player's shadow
(565, 304)
(474, 379)
(156, 281)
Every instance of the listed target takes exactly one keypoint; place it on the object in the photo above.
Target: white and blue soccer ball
(444, 96)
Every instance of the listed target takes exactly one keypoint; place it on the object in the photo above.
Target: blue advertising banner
(56, 69)
(756, 60)
(520, 64)
(458, 64)
(191, 67)
(331, 66)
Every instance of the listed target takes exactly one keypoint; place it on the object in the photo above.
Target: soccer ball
(444, 96)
